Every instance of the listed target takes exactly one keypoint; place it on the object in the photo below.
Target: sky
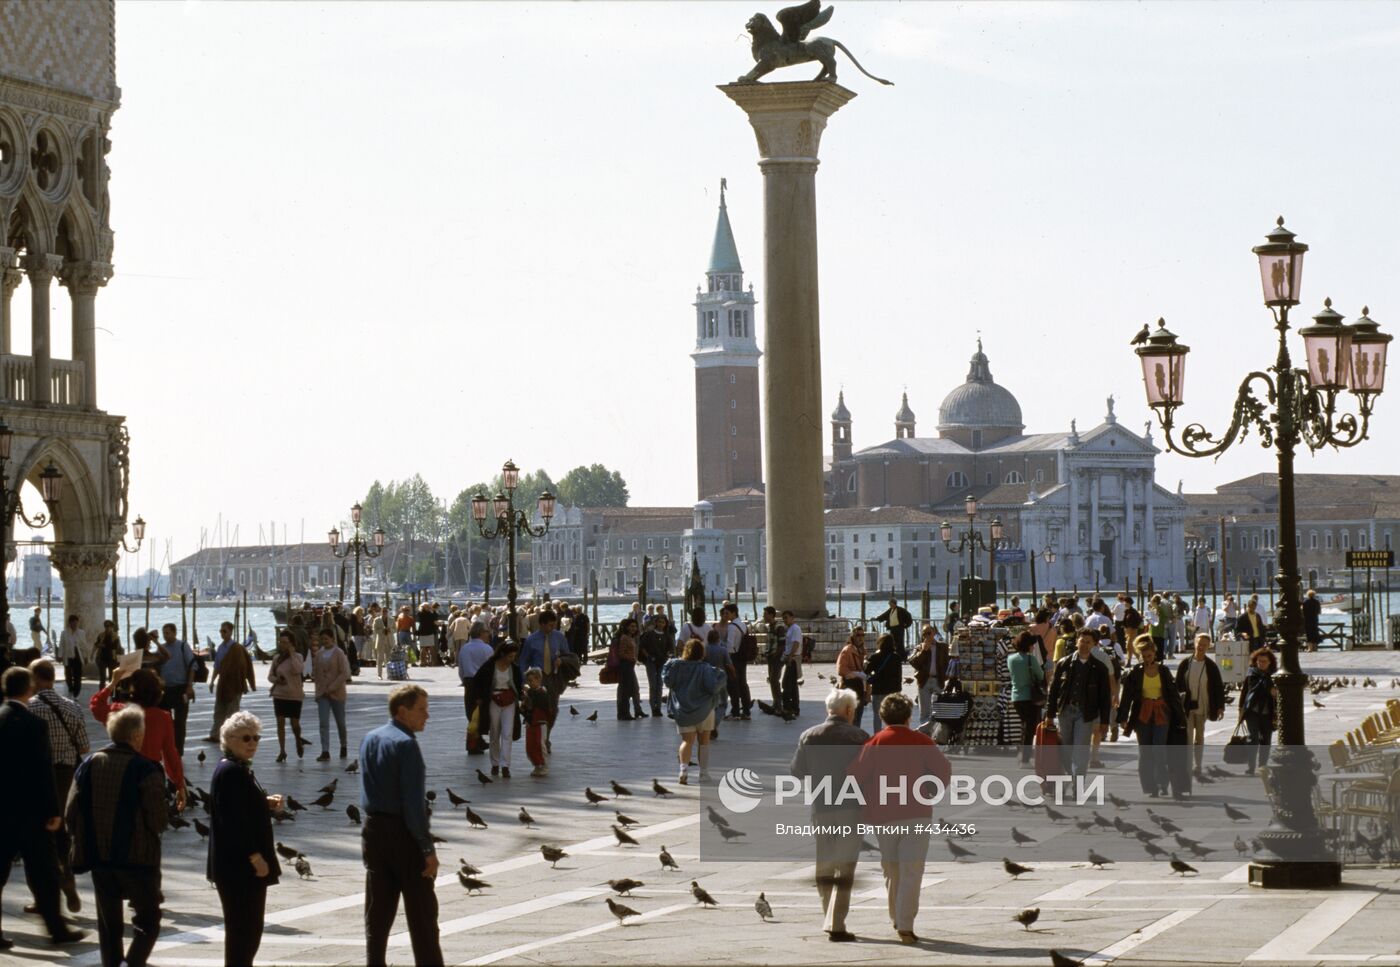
(361, 240)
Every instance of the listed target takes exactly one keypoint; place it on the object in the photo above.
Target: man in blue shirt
(177, 672)
(542, 650)
(225, 643)
(396, 844)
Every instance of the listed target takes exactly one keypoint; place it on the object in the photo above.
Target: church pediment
(1113, 438)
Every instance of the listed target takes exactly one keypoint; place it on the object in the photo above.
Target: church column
(83, 279)
(1129, 497)
(1072, 555)
(788, 121)
(1149, 532)
(86, 572)
(1095, 482)
(9, 281)
(41, 270)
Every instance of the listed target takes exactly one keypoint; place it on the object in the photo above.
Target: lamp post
(664, 561)
(971, 539)
(357, 545)
(1195, 546)
(1298, 406)
(508, 523)
(50, 485)
(1049, 555)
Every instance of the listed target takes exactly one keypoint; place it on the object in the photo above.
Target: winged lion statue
(772, 50)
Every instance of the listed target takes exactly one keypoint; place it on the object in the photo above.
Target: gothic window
(1014, 477)
(956, 480)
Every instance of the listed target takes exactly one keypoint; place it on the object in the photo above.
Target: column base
(1318, 875)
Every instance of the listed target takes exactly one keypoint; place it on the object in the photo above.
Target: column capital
(83, 562)
(42, 268)
(788, 119)
(84, 278)
(7, 257)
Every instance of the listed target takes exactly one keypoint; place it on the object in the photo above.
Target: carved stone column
(788, 120)
(9, 281)
(83, 279)
(41, 269)
(86, 571)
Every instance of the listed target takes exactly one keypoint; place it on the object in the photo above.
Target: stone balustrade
(17, 381)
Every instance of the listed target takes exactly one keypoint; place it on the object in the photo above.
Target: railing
(65, 375)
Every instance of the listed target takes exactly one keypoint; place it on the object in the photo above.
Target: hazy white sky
(360, 240)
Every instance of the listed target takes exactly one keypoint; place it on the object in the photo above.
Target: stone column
(788, 120)
(41, 269)
(1072, 543)
(9, 281)
(83, 279)
(86, 573)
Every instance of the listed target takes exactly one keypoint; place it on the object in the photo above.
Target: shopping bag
(1047, 750)
(1237, 749)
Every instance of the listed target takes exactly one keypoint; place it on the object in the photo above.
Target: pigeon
(572, 710)
(483, 778)
(1101, 821)
(767, 709)
(1027, 916)
(330, 786)
(472, 884)
(353, 812)
(468, 868)
(1141, 336)
(729, 833)
(619, 789)
(958, 851)
(658, 789)
(201, 756)
(525, 818)
(474, 820)
(1199, 851)
(303, 867)
(625, 885)
(1118, 801)
(286, 852)
(201, 829)
(592, 797)
(1083, 825)
(1184, 842)
(622, 838)
(176, 822)
(698, 891)
(1179, 867)
(552, 854)
(1053, 815)
(1240, 846)
(1145, 835)
(667, 862)
(1058, 959)
(620, 911)
(295, 806)
(353, 767)
(1317, 704)
(323, 800)
(715, 817)
(1020, 838)
(1153, 850)
(1097, 860)
(625, 821)
(1234, 814)
(455, 799)
(762, 908)
(594, 716)
(1015, 869)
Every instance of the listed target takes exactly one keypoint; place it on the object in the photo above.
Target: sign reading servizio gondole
(1370, 558)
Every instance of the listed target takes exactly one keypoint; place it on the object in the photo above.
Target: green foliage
(594, 486)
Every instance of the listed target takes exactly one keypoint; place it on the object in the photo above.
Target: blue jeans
(926, 694)
(654, 685)
(1152, 757)
(1075, 736)
(875, 723)
(1260, 728)
(325, 708)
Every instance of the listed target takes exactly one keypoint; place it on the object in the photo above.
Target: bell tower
(728, 441)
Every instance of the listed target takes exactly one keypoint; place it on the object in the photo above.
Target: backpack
(748, 647)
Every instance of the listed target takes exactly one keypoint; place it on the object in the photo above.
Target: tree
(594, 486)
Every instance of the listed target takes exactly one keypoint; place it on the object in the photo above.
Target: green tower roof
(724, 255)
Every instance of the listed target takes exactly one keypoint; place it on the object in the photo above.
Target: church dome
(979, 402)
(841, 414)
(905, 414)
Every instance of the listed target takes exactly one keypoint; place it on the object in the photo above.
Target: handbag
(608, 675)
(504, 698)
(1237, 749)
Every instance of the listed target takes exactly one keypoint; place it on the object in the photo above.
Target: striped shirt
(64, 720)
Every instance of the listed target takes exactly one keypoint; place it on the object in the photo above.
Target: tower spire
(724, 254)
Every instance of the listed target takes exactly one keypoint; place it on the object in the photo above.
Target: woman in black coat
(884, 672)
(1151, 706)
(502, 670)
(242, 863)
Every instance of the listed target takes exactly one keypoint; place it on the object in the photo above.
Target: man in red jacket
(895, 760)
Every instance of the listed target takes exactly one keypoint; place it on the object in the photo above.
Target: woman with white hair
(242, 863)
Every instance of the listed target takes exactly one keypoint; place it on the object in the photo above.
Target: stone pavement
(1136, 912)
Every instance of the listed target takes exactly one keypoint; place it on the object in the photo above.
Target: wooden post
(341, 596)
(906, 595)
(184, 630)
(115, 625)
(1096, 583)
(862, 609)
(48, 617)
(237, 613)
(839, 606)
(1212, 604)
(924, 604)
(246, 625)
(714, 607)
(147, 622)
(129, 629)
(194, 612)
(753, 597)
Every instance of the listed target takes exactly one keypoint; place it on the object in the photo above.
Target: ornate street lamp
(1297, 406)
(1048, 555)
(508, 523)
(664, 562)
(50, 487)
(358, 545)
(971, 539)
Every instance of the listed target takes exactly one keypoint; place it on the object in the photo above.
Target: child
(535, 707)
